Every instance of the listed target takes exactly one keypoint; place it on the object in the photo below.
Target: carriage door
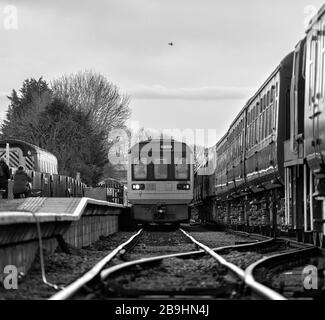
(312, 104)
(321, 119)
(321, 84)
(312, 208)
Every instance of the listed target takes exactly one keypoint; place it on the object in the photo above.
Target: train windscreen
(181, 169)
(140, 171)
(160, 162)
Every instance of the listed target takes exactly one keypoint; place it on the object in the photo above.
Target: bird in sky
(170, 44)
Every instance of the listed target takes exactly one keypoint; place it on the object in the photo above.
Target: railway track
(298, 274)
(174, 265)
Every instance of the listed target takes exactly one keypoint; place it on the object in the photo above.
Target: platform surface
(46, 209)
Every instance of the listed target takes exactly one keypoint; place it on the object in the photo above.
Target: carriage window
(270, 120)
(264, 125)
(258, 131)
(277, 89)
(161, 171)
(267, 122)
(140, 171)
(181, 169)
(323, 63)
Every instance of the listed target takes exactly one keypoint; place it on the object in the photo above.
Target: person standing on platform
(4, 177)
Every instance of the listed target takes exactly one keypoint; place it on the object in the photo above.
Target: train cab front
(160, 213)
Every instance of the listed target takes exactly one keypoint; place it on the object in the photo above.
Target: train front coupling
(160, 213)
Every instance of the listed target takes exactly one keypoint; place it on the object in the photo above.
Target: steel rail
(239, 272)
(70, 290)
(261, 288)
(255, 286)
(99, 270)
(107, 272)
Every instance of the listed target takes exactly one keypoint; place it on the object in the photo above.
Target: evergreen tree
(37, 117)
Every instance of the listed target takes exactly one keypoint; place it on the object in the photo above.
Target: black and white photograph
(163, 156)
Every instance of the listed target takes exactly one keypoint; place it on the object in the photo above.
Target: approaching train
(270, 165)
(160, 181)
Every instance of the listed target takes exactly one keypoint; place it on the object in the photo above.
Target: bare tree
(199, 155)
(93, 94)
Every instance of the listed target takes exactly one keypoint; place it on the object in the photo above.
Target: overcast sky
(223, 51)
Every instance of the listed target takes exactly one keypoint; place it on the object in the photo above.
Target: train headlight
(183, 187)
(138, 187)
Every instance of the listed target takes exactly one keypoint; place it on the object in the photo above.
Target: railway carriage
(42, 167)
(204, 185)
(29, 156)
(305, 150)
(250, 157)
(314, 135)
(221, 168)
(160, 181)
(270, 167)
(294, 164)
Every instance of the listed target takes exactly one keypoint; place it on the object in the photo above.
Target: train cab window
(161, 171)
(139, 171)
(272, 94)
(268, 99)
(181, 170)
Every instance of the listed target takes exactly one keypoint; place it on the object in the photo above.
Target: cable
(39, 233)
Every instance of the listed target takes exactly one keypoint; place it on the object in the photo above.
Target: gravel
(158, 243)
(176, 276)
(243, 259)
(62, 268)
(219, 239)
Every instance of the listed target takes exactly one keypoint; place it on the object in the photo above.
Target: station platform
(77, 222)
(46, 209)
